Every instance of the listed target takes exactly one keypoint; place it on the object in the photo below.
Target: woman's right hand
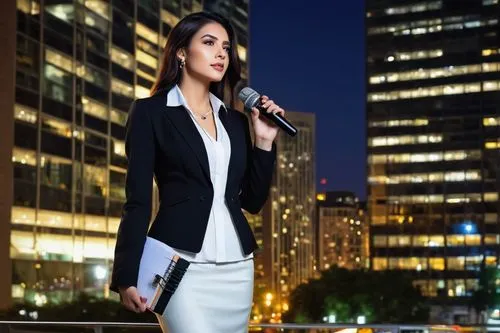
(131, 299)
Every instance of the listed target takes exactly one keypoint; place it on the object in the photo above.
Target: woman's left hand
(265, 129)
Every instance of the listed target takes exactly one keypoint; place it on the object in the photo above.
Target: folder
(161, 270)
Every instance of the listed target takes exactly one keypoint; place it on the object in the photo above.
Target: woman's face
(207, 57)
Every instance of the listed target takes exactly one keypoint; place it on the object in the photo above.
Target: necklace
(203, 116)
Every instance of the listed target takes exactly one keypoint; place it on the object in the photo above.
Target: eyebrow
(212, 36)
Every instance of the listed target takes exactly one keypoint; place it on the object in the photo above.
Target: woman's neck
(196, 93)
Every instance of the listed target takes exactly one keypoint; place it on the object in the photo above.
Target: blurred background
(384, 208)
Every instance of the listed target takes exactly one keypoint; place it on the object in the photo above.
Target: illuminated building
(70, 71)
(433, 136)
(341, 231)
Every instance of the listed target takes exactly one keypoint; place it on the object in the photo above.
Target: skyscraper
(433, 138)
(288, 219)
(70, 70)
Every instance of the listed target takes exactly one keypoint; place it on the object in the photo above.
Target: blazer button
(202, 197)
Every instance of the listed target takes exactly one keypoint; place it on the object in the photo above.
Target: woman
(207, 170)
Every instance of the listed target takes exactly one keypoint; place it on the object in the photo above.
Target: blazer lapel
(227, 123)
(184, 124)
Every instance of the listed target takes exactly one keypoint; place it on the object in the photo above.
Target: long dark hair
(180, 37)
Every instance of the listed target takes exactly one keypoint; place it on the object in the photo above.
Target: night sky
(308, 56)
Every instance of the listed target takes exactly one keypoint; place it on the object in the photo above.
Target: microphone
(251, 99)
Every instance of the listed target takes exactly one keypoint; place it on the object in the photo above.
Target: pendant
(203, 117)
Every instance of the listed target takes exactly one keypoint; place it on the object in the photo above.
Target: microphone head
(249, 97)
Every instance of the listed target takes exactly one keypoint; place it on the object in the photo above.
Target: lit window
(141, 92)
(491, 239)
(379, 264)
(405, 140)
(146, 59)
(119, 147)
(490, 85)
(436, 264)
(56, 126)
(492, 145)
(122, 58)
(122, 88)
(24, 113)
(452, 89)
(491, 197)
(169, 18)
(24, 156)
(242, 52)
(29, 7)
(490, 121)
(94, 108)
(118, 117)
(100, 7)
(145, 75)
(59, 59)
(146, 33)
(65, 12)
(379, 241)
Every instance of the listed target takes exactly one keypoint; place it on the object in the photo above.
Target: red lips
(218, 66)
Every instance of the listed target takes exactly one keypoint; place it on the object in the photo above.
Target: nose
(221, 53)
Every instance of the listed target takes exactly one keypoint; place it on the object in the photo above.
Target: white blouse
(221, 242)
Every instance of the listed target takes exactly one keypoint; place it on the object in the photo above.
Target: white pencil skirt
(211, 298)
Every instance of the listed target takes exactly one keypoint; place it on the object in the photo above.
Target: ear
(181, 54)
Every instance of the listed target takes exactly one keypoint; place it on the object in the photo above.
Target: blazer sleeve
(258, 174)
(136, 215)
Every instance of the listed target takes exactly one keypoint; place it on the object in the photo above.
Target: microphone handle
(278, 120)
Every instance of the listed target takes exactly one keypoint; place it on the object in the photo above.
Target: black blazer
(163, 142)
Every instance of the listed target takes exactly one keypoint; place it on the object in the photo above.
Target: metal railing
(101, 327)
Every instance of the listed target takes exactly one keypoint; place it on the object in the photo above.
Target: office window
(117, 185)
(25, 114)
(95, 108)
(146, 33)
(56, 126)
(30, 7)
(436, 264)
(456, 263)
(58, 84)
(56, 172)
(379, 264)
(122, 58)
(118, 117)
(100, 7)
(93, 75)
(65, 12)
(146, 59)
(24, 162)
(95, 180)
(59, 59)
(122, 88)
(491, 239)
(96, 23)
(141, 92)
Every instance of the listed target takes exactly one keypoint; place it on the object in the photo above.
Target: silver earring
(182, 64)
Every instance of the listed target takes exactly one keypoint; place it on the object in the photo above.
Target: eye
(209, 42)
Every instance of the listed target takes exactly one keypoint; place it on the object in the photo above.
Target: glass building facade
(76, 67)
(288, 219)
(433, 133)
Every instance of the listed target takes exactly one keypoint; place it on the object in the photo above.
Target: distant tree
(486, 296)
(381, 297)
